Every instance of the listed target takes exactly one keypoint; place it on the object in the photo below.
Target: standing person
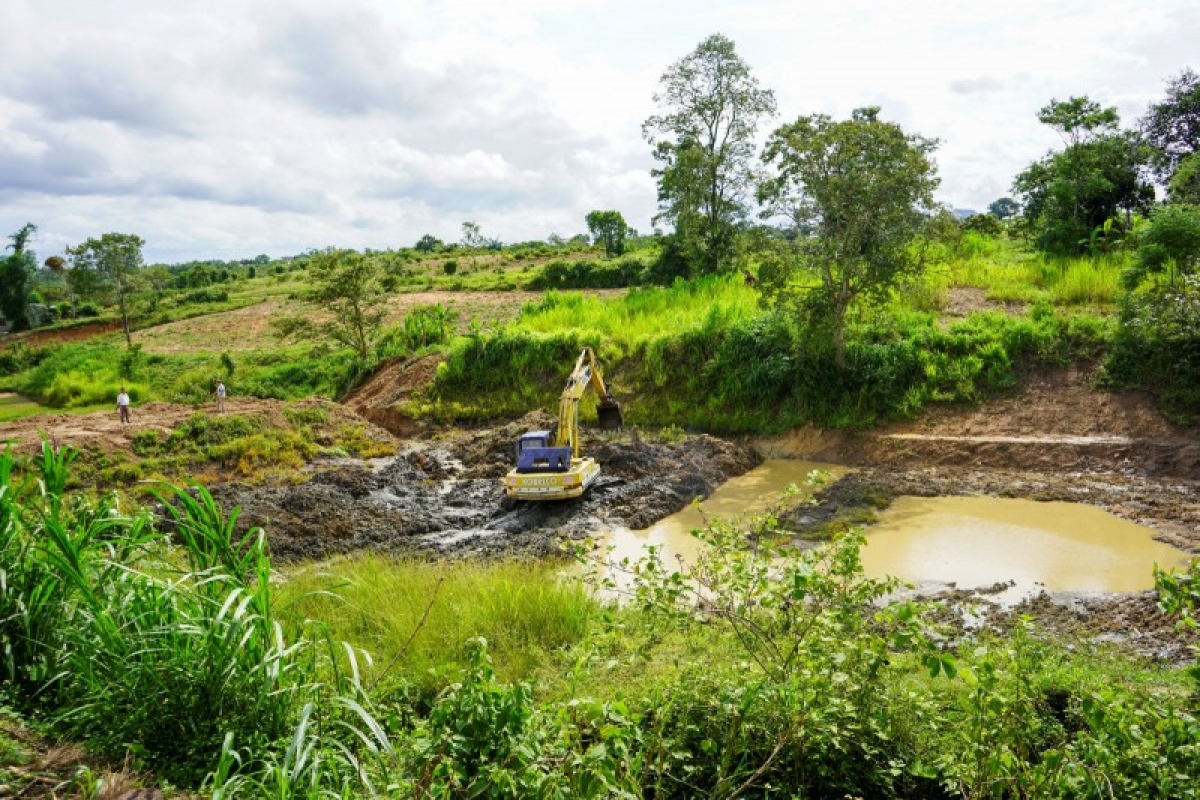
(123, 406)
(220, 397)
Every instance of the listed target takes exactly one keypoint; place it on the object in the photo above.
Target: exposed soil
(381, 398)
(59, 335)
(444, 497)
(103, 429)
(962, 301)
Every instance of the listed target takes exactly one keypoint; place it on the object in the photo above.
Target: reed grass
(418, 615)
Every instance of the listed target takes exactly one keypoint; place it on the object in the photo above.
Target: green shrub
(1157, 346)
(306, 415)
(422, 327)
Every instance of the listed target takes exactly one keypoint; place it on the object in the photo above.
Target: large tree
(1069, 195)
(16, 270)
(108, 265)
(609, 228)
(1185, 183)
(1004, 207)
(1172, 127)
(347, 286)
(428, 244)
(863, 188)
(710, 107)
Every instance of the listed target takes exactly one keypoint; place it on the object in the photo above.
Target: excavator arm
(586, 375)
(550, 466)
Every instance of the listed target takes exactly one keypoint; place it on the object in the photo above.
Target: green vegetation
(417, 616)
(703, 354)
(167, 643)
(16, 272)
(346, 286)
(87, 373)
(107, 266)
(608, 228)
(865, 188)
(710, 106)
(1072, 198)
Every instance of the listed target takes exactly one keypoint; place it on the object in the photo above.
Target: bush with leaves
(1157, 346)
(798, 705)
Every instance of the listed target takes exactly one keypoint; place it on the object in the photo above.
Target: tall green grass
(1009, 273)
(417, 615)
(711, 360)
(643, 314)
(119, 647)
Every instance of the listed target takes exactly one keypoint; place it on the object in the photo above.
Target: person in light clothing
(123, 406)
(220, 397)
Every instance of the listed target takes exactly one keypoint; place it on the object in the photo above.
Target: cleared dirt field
(250, 328)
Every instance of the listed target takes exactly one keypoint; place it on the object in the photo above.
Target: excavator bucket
(609, 412)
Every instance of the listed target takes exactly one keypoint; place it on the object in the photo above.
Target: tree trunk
(839, 343)
(124, 317)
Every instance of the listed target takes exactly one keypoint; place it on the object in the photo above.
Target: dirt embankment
(444, 497)
(103, 430)
(1054, 438)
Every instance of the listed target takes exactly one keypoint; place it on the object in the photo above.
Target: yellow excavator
(550, 467)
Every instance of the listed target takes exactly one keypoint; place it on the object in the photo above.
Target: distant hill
(963, 213)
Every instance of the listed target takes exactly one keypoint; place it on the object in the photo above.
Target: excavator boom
(551, 468)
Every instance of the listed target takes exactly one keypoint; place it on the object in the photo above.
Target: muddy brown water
(746, 494)
(977, 542)
(969, 542)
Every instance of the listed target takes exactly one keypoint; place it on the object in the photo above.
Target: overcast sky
(232, 128)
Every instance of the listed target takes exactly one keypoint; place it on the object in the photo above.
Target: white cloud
(257, 126)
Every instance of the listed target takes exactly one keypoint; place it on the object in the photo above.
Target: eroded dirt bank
(443, 497)
(1055, 437)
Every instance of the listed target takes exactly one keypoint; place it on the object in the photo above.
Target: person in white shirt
(220, 397)
(123, 406)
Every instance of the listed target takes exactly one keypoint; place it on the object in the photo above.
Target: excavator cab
(550, 466)
(536, 454)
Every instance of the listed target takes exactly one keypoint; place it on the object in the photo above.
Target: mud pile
(445, 499)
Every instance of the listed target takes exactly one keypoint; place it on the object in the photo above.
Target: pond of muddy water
(968, 542)
(746, 494)
(978, 542)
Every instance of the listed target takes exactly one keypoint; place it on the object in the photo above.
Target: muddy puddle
(745, 494)
(980, 542)
(1010, 548)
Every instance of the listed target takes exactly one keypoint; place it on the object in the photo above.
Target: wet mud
(443, 497)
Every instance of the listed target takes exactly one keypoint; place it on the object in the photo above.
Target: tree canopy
(709, 110)
(1004, 207)
(1172, 127)
(428, 244)
(348, 286)
(864, 188)
(16, 270)
(107, 265)
(608, 228)
(1069, 195)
